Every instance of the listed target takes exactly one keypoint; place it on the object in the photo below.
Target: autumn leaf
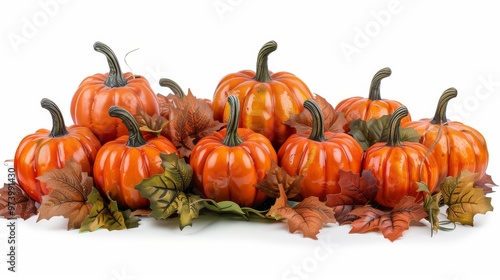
(308, 216)
(68, 191)
(392, 223)
(333, 121)
(463, 200)
(190, 120)
(106, 215)
(355, 191)
(486, 183)
(154, 124)
(375, 130)
(16, 203)
(275, 176)
(431, 206)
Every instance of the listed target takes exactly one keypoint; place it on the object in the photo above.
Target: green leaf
(373, 131)
(431, 206)
(177, 173)
(106, 215)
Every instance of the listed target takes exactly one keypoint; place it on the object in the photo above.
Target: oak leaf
(68, 190)
(355, 191)
(308, 216)
(16, 203)
(275, 176)
(391, 223)
(463, 200)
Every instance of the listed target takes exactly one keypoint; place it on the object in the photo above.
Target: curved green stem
(58, 126)
(394, 137)
(173, 86)
(232, 138)
(135, 138)
(318, 127)
(375, 85)
(440, 116)
(115, 76)
(262, 72)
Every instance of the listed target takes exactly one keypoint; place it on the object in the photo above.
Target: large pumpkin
(228, 164)
(398, 166)
(121, 164)
(45, 150)
(267, 99)
(374, 106)
(319, 156)
(97, 93)
(455, 146)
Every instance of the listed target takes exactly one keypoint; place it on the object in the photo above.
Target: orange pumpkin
(97, 93)
(228, 164)
(121, 164)
(45, 150)
(372, 107)
(267, 99)
(399, 166)
(319, 156)
(455, 146)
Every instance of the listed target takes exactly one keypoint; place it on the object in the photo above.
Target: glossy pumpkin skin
(372, 107)
(228, 164)
(455, 146)
(45, 150)
(97, 93)
(398, 166)
(266, 99)
(123, 163)
(319, 156)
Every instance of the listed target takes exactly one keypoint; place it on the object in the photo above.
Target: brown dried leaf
(16, 203)
(276, 176)
(154, 124)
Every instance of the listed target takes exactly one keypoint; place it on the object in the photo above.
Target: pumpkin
(45, 150)
(267, 99)
(374, 106)
(455, 146)
(227, 164)
(319, 156)
(398, 166)
(121, 164)
(97, 93)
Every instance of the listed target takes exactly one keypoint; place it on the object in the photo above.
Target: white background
(46, 50)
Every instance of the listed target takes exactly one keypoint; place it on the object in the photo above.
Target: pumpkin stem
(232, 138)
(173, 86)
(58, 126)
(135, 138)
(318, 128)
(375, 85)
(115, 76)
(262, 72)
(440, 116)
(394, 137)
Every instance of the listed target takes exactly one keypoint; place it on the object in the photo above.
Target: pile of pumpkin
(254, 109)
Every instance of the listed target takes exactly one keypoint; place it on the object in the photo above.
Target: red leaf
(486, 183)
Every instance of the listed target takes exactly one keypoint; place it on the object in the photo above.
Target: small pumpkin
(399, 166)
(227, 164)
(372, 107)
(121, 164)
(45, 150)
(455, 146)
(267, 99)
(97, 93)
(319, 156)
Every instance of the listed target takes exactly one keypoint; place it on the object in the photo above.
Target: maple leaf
(375, 130)
(68, 190)
(333, 121)
(308, 216)
(190, 120)
(275, 176)
(154, 124)
(486, 183)
(463, 200)
(391, 223)
(16, 203)
(107, 215)
(431, 206)
(355, 191)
